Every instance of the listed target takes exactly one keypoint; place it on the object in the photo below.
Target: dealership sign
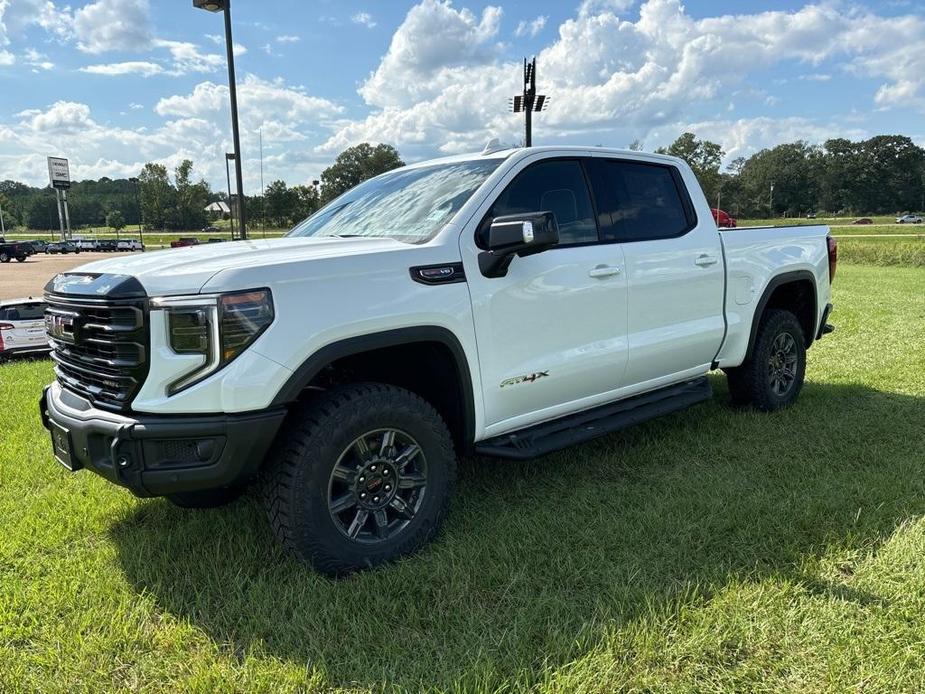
(58, 173)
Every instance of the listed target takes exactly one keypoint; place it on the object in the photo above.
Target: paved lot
(29, 278)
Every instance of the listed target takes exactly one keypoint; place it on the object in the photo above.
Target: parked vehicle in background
(723, 219)
(209, 229)
(863, 220)
(510, 303)
(22, 327)
(19, 251)
(909, 219)
(87, 244)
(184, 242)
(129, 245)
(63, 247)
(810, 215)
(107, 246)
(38, 245)
(214, 240)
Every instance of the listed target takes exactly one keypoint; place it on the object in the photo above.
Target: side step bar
(583, 426)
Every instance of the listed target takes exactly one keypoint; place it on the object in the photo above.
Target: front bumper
(156, 455)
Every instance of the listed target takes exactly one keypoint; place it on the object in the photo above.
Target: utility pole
(771, 201)
(529, 102)
(2, 224)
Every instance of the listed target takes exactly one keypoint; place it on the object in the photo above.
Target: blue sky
(115, 83)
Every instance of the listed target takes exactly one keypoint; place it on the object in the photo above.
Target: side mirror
(518, 234)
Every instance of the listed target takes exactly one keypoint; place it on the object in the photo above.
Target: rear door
(674, 266)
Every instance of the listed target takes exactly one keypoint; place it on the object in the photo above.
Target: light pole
(230, 157)
(225, 7)
(137, 183)
(771, 201)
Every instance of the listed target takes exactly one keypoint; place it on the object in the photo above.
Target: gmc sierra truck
(507, 304)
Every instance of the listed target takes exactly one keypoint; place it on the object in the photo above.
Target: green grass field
(712, 550)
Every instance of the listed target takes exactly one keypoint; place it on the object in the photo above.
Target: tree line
(158, 199)
(882, 175)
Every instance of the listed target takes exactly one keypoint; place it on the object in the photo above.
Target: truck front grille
(99, 346)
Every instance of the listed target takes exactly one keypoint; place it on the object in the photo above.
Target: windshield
(409, 205)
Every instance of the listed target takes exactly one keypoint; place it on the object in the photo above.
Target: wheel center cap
(374, 485)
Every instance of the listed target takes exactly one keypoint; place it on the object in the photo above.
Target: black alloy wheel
(377, 486)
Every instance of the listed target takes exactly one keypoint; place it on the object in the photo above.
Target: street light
(225, 7)
(230, 157)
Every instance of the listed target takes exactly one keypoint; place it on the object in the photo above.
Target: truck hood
(187, 270)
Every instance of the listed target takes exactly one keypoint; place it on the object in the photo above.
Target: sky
(112, 84)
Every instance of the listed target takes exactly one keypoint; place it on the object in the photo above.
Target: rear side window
(556, 186)
(23, 312)
(642, 202)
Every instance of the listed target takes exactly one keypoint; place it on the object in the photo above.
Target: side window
(645, 201)
(556, 186)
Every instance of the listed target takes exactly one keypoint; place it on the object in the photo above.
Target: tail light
(833, 256)
(4, 326)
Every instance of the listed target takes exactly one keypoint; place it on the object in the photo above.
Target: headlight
(216, 326)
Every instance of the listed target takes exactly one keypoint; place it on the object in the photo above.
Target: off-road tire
(4, 258)
(208, 498)
(749, 383)
(296, 478)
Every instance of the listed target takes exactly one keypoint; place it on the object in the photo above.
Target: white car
(909, 219)
(129, 245)
(22, 327)
(87, 244)
(509, 303)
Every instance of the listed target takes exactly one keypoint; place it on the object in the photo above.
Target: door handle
(706, 260)
(603, 271)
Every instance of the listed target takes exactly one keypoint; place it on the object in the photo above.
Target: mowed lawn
(712, 550)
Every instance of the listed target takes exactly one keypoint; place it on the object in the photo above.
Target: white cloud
(18, 15)
(113, 25)
(6, 58)
(531, 28)
(434, 38)
(746, 136)
(38, 61)
(131, 67)
(609, 74)
(63, 117)
(288, 39)
(260, 101)
(188, 58)
(364, 18)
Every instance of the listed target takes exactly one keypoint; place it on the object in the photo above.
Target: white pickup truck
(510, 303)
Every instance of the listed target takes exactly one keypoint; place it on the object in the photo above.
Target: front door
(551, 333)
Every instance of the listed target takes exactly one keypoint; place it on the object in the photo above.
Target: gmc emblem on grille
(61, 327)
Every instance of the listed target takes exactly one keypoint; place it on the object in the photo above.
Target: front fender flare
(311, 367)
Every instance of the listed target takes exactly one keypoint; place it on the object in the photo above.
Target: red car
(184, 242)
(723, 219)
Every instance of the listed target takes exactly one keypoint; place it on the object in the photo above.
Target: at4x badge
(529, 378)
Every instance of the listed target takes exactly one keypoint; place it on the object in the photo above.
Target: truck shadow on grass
(541, 561)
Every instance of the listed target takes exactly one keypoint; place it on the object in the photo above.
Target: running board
(590, 424)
